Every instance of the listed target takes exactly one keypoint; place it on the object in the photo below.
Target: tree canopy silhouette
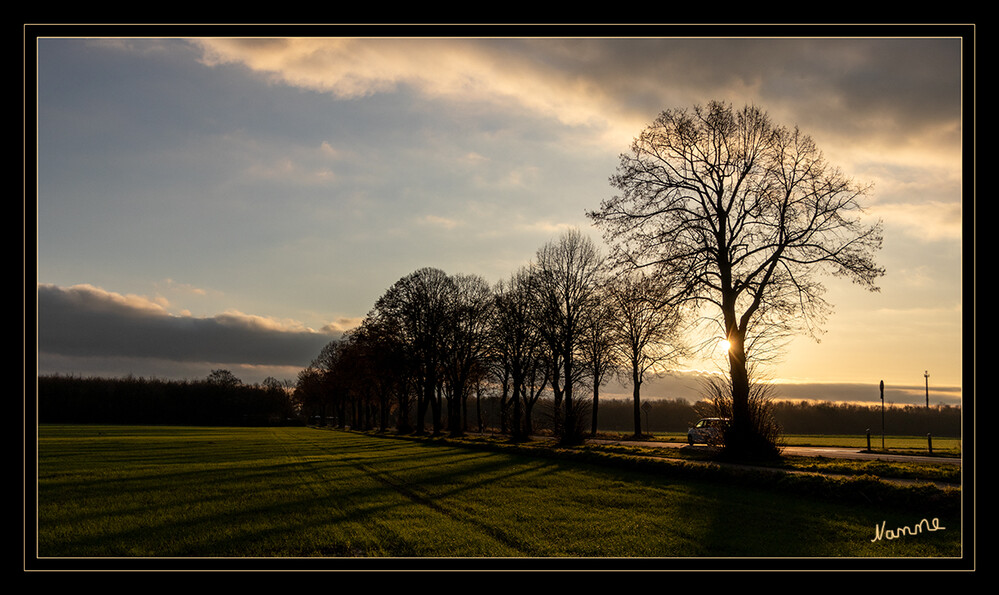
(740, 217)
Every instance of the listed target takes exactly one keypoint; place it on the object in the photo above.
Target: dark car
(709, 430)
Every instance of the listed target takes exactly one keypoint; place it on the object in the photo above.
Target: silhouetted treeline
(847, 418)
(67, 399)
(219, 400)
(676, 415)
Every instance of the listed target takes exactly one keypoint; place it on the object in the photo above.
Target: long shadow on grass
(730, 519)
(750, 522)
(196, 501)
(408, 470)
(340, 494)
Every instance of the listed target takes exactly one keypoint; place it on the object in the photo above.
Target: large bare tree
(419, 307)
(518, 345)
(567, 275)
(743, 216)
(646, 331)
(377, 364)
(598, 353)
(464, 343)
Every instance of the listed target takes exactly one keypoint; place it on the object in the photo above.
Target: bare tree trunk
(518, 426)
(403, 424)
(741, 437)
(504, 407)
(636, 393)
(528, 417)
(741, 429)
(426, 398)
(557, 403)
(436, 410)
(464, 412)
(570, 423)
(596, 406)
(478, 405)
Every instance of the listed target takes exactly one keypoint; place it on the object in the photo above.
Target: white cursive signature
(881, 532)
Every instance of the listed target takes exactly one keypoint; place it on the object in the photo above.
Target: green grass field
(108, 491)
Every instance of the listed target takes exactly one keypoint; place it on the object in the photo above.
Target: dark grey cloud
(86, 322)
(856, 86)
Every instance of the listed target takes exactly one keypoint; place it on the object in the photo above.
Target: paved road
(810, 451)
(852, 453)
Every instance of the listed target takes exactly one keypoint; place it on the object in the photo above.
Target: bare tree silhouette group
(723, 216)
(433, 341)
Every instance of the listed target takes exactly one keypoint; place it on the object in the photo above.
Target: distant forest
(221, 399)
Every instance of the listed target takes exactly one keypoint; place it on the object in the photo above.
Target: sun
(725, 344)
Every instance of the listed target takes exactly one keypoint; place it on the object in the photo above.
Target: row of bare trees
(560, 325)
(723, 215)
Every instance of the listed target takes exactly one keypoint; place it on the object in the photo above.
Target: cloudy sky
(206, 203)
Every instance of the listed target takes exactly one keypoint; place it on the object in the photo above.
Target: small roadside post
(882, 415)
